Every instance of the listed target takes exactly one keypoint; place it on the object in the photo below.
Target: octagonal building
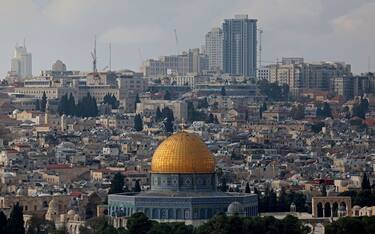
(183, 186)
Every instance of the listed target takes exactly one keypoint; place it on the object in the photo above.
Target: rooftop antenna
(368, 64)
(93, 55)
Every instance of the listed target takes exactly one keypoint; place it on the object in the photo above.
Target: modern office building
(214, 49)
(183, 187)
(240, 46)
(21, 63)
(300, 76)
(192, 61)
(291, 60)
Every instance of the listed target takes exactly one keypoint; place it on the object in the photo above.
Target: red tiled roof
(75, 194)
(58, 166)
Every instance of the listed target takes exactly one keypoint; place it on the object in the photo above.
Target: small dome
(16, 111)
(71, 212)
(183, 153)
(20, 192)
(235, 208)
(76, 217)
(356, 207)
(53, 205)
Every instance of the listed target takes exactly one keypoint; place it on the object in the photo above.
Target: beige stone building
(149, 107)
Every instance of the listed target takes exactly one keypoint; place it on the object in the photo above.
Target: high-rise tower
(21, 63)
(214, 48)
(240, 46)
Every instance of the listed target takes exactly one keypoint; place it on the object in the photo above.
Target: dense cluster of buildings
(191, 136)
(231, 49)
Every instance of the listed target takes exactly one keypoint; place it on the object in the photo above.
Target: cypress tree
(94, 107)
(247, 188)
(37, 105)
(137, 187)
(3, 223)
(167, 95)
(138, 124)
(168, 124)
(365, 185)
(223, 184)
(43, 103)
(211, 118)
(15, 223)
(223, 91)
(71, 105)
(158, 115)
(137, 100)
(117, 184)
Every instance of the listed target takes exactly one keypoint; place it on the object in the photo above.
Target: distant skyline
(337, 30)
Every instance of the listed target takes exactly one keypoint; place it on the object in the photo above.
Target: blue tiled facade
(180, 197)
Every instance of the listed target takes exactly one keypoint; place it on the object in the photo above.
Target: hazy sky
(340, 30)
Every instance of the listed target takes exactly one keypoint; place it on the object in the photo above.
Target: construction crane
(110, 56)
(94, 58)
(176, 39)
(140, 55)
(260, 30)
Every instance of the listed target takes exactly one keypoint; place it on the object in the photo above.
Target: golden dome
(182, 153)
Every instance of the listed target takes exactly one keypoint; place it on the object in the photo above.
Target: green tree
(247, 188)
(223, 91)
(137, 99)
(181, 228)
(137, 187)
(37, 225)
(3, 222)
(111, 100)
(317, 127)
(298, 112)
(138, 123)
(43, 103)
(117, 184)
(158, 115)
(160, 228)
(37, 105)
(218, 224)
(365, 185)
(272, 201)
(282, 205)
(70, 105)
(168, 120)
(360, 108)
(223, 184)
(211, 118)
(138, 223)
(203, 103)
(15, 223)
(62, 106)
(273, 91)
(167, 95)
(168, 125)
(346, 225)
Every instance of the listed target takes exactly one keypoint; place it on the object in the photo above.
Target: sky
(335, 30)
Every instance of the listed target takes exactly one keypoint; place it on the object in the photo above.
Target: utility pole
(368, 64)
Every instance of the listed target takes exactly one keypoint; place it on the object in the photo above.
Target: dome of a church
(235, 208)
(183, 153)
